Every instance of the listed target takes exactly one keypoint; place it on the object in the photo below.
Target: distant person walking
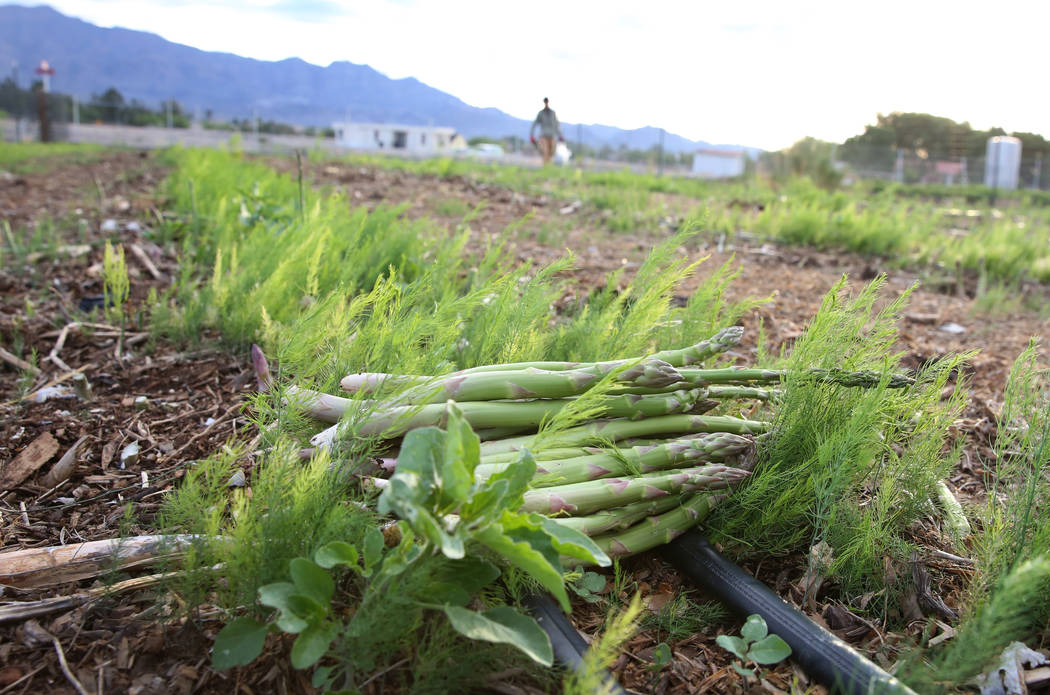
(549, 129)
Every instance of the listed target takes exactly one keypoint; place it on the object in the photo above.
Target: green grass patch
(1001, 235)
(38, 157)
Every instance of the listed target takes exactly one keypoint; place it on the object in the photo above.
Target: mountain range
(89, 60)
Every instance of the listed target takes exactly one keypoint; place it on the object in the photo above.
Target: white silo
(1002, 164)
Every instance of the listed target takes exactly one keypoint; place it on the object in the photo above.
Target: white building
(408, 139)
(718, 164)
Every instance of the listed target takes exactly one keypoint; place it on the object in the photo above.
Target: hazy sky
(756, 73)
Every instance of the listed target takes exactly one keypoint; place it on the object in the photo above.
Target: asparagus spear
(516, 371)
(741, 392)
(705, 349)
(657, 530)
(544, 455)
(501, 432)
(573, 452)
(744, 376)
(394, 422)
(621, 517)
(579, 499)
(615, 430)
(517, 384)
(672, 454)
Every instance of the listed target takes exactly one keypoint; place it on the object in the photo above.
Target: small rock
(129, 455)
(953, 328)
(209, 422)
(133, 226)
(109, 226)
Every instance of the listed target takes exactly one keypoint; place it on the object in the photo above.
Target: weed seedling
(754, 645)
(28, 377)
(115, 286)
(587, 585)
(661, 659)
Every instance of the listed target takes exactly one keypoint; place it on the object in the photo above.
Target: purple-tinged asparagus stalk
(262, 368)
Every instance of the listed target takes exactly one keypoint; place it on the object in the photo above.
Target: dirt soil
(178, 406)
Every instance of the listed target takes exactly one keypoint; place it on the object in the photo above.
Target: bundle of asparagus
(649, 466)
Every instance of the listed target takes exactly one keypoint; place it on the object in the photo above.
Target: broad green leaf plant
(443, 509)
(754, 644)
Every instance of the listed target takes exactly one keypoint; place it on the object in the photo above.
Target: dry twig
(34, 630)
(16, 361)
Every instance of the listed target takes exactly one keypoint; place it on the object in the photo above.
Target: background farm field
(337, 266)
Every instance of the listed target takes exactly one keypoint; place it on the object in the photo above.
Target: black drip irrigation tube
(821, 654)
(569, 646)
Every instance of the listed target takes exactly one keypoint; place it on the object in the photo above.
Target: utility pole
(76, 110)
(43, 117)
(45, 71)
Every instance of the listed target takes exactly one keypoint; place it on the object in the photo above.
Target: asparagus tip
(262, 368)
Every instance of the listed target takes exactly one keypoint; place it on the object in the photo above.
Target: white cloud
(760, 73)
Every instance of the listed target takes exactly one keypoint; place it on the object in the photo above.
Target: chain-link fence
(917, 166)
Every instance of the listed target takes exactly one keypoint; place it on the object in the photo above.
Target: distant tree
(933, 137)
(138, 114)
(111, 105)
(808, 157)
(13, 99)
